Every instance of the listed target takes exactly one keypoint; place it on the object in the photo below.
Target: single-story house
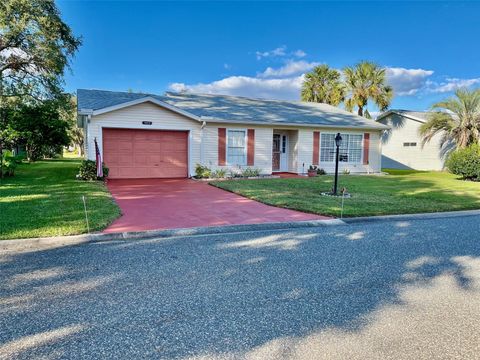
(402, 146)
(145, 136)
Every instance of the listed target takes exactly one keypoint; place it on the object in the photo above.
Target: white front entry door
(280, 152)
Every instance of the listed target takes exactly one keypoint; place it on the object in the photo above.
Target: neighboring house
(143, 135)
(402, 145)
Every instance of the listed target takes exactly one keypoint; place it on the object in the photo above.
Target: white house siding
(305, 151)
(397, 156)
(263, 146)
(131, 118)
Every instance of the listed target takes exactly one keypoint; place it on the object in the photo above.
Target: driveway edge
(405, 217)
(209, 230)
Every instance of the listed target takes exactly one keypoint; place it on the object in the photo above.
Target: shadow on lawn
(261, 295)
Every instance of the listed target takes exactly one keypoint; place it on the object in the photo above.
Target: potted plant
(312, 171)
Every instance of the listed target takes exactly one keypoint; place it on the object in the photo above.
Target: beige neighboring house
(152, 136)
(402, 144)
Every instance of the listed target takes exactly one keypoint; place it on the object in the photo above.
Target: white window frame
(244, 151)
(341, 162)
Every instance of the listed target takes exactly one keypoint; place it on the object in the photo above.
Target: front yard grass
(404, 193)
(44, 199)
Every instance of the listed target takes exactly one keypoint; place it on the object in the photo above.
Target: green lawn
(405, 192)
(44, 199)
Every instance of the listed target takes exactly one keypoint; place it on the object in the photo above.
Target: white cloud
(451, 84)
(279, 51)
(290, 68)
(407, 81)
(227, 66)
(299, 53)
(287, 88)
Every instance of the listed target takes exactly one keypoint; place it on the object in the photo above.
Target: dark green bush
(88, 171)
(465, 162)
(321, 172)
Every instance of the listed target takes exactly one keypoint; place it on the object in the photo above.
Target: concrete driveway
(390, 290)
(150, 204)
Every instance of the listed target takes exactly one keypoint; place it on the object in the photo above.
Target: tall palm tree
(366, 81)
(456, 118)
(323, 85)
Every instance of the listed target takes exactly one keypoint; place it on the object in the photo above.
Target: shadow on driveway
(386, 290)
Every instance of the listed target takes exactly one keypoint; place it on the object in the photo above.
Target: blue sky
(261, 49)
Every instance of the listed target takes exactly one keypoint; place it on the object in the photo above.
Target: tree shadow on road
(272, 294)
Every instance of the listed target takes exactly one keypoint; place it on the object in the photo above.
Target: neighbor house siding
(263, 146)
(397, 156)
(132, 117)
(306, 148)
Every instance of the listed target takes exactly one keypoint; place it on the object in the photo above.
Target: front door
(280, 152)
(276, 152)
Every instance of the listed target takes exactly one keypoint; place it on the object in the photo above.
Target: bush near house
(465, 162)
(88, 171)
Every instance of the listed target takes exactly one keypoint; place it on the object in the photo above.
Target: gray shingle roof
(416, 115)
(234, 109)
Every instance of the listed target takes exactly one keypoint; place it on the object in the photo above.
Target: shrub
(321, 172)
(9, 163)
(465, 162)
(250, 172)
(202, 172)
(313, 168)
(88, 171)
(219, 174)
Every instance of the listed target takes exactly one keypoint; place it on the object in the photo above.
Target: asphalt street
(383, 290)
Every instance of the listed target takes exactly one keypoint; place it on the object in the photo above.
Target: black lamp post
(338, 142)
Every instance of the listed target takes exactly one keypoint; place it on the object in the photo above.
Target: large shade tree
(36, 47)
(457, 119)
(323, 85)
(364, 82)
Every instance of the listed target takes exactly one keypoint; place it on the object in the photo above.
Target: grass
(44, 199)
(371, 195)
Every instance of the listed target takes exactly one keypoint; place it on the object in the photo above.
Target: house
(144, 135)
(402, 146)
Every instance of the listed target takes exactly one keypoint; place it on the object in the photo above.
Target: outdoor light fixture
(338, 143)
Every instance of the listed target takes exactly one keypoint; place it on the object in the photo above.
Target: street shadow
(228, 295)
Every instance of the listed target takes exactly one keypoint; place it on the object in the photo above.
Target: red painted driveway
(150, 204)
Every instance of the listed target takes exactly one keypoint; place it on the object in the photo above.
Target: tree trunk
(360, 111)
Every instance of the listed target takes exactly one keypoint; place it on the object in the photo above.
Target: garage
(133, 153)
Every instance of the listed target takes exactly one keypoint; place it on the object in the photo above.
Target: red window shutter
(366, 147)
(250, 147)
(316, 147)
(222, 146)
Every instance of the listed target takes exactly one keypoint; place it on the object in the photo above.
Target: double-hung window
(350, 149)
(236, 147)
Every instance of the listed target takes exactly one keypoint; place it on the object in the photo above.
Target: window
(284, 144)
(409, 144)
(350, 150)
(236, 147)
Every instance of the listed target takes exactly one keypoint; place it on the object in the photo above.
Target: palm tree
(366, 81)
(323, 85)
(456, 118)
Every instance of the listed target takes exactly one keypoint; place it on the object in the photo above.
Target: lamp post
(338, 142)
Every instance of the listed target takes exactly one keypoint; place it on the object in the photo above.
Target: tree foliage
(323, 85)
(40, 127)
(456, 118)
(35, 49)
(366, 81)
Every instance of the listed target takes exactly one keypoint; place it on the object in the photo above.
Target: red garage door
(130, 153)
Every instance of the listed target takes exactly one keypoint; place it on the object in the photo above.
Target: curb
(210, 230)
(419, 216)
